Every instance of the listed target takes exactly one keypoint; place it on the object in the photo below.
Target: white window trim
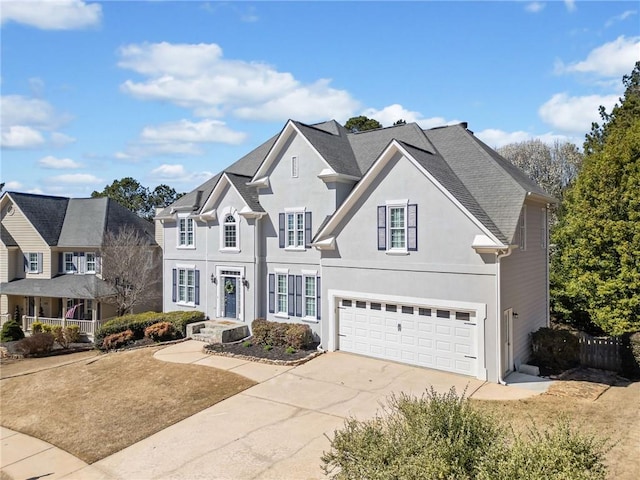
(241, 272)
(404, 203)
(31, 270)
(64, 263)
(95, 262)
(185, 302)
(522, 229)
(186, 246)
(305, 317)
(295, 167)
(295, 212)
(278, 313)
(223, 217)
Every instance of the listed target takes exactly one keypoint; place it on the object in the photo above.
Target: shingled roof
(46, 213)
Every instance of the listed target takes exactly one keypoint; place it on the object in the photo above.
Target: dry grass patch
(98, 406)
(615, 414)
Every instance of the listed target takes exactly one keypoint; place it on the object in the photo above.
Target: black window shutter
(382, 227)
(197, 286)
(290, 294)
(412, 227)
(174, 289)
(281, 232)
(26, 262)
(307, 229)
(39, 262)
(318, 297)
(272, 292)
(298, 295)
(60, 262)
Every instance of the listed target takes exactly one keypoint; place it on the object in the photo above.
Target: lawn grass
(100, 405)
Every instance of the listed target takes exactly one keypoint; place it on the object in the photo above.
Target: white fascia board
(325, 244)
(542, 198)
(246, 212)
(484, 244)
(330, 175)
(182, 208)
(289, 129)
(259, 183)
(216, 193)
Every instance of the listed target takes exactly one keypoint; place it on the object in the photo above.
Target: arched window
(230, 232)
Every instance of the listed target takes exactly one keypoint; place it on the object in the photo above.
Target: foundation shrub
(65, 336)
(117, 340)
(138, 322)
(161, 332)
(36, 327)
(11, 331)
(260, 331)
(37, 343)
(298, 336)
(554, 349)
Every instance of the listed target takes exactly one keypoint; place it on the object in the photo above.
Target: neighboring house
(418, 246)
(50, 262)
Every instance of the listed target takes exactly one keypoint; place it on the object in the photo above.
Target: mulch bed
(275, 355)
(585, 383)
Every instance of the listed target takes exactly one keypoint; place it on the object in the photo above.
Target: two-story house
(419, 246)
(50, 258)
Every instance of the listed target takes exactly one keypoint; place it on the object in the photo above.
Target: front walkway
(277, 429)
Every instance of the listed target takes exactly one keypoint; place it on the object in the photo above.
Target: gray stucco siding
(524, 284)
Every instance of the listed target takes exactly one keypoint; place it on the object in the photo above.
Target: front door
(230, 296)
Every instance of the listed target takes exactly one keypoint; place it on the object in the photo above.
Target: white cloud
(620, 18)
(392, 113)
(60, 139)
(198, 77)
(52, 15)
(21, 136)
(58, 163)
(75, 179)
(177, 173)
(12, 186)
(613, 59)
(206, 131)
(570, 4)
(534, 7)
(574, 114)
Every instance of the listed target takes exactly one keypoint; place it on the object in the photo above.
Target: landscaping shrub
(298, 336)
(138, 322)
(11, 331)
(275, 334)
(436, 436)
(631, 355)
(65, 336)
(36, 327)
(444, 436)
(558, 452)
(555, 350)
(117, 340)
(37, 343)
(161, 331)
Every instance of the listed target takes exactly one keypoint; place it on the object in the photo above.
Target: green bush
(283, 334)
(554, 349)
(631, 355)
(138, 322)
(161, 332)
(37, 343)
(65, 336)
(445, 437)
(11, 331)
(436, 436)
(36, 327)
(555, 453)
(117, 340)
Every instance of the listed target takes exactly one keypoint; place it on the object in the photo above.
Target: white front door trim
(480, 314)
(239, 273)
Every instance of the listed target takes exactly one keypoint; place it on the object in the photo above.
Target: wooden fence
(601, 352)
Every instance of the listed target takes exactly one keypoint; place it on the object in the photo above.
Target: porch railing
(4, 318)
(87, 327)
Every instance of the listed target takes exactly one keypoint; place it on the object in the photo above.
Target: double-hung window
(282, 293)
(90, 259)
(69, 263)
(310, 296)
(33, 263)
(398, 227)
(295, 229)
(230, 232)
(185, 232)
(186, 285)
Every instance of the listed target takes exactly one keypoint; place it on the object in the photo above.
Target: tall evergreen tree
(596, 266)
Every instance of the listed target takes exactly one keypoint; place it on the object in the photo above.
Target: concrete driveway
(277, 429)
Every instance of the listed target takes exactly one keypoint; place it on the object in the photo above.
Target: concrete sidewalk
(277, 429)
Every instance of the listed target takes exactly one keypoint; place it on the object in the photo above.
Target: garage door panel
(427, 336)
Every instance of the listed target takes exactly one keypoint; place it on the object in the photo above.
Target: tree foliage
(132, 268)
(401, 121)
(129, 193)
(596, 268)
(361, 123)
(553, 167)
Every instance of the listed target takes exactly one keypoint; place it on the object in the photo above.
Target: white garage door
(444, 339)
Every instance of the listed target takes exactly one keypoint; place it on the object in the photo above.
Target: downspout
(499, 255)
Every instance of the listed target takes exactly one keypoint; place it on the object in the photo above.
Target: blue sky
(172, 92)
